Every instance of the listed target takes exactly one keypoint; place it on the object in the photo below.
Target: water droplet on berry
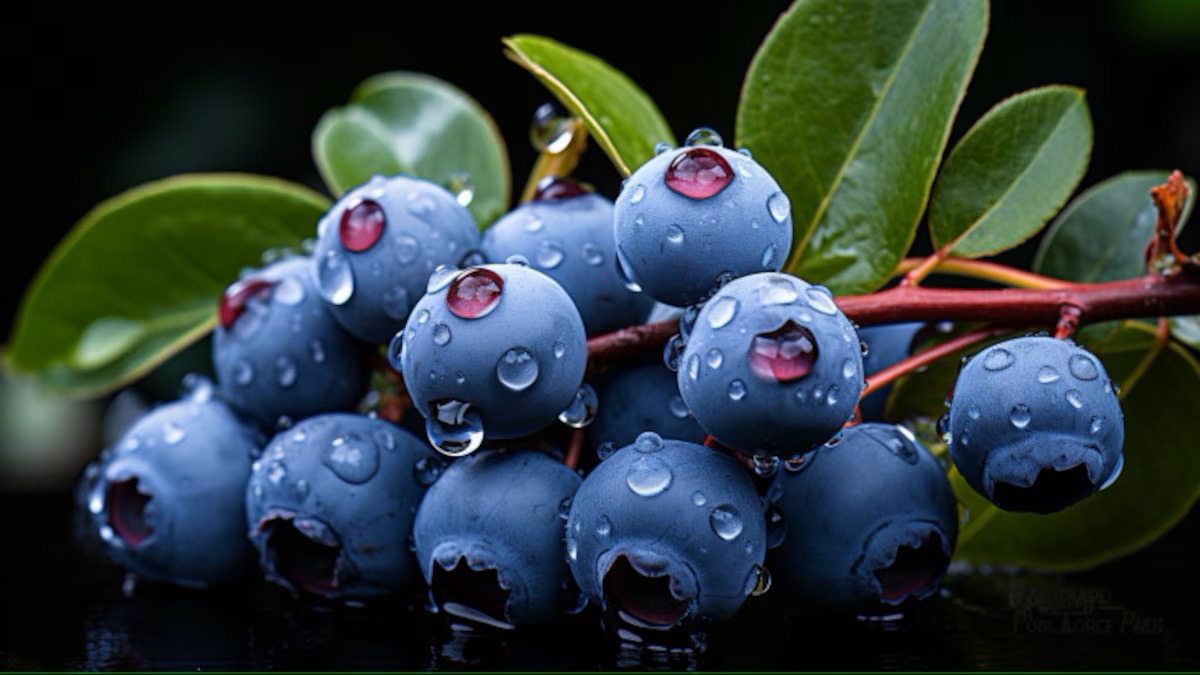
(623, 274)
(678, 408)
(441, 278)
(1020, 416)
(461, 187)
(820, 299)
(704, 136)
(441, 335)
(849, 370)
(997, 359)
(592, 254)
(474, 293)
(549, 255)
(173, 434)
(726, 521)
(1083, 367)
(395, 351)
(758, 582)
(276, 472)
(316, 351)
(407, 248)
(605, 450)
(1096, 424)
(572, 549)
(798, 463)
(582, 409)
(289, 291)
(286, 370)
(779, 291)
(693, 366)
(765, 465)
(648, 476)
(454, 428)
(604, 527)
(243, 373)
(1116, 472)
(831, 396)
(699, 499)
(780, 206)
(460, 377)
(1075, 398)
(714, 358)
(647, 442)
(395, 302)
(353, 458)
(335, 279)
(737, 390)
(426, 470)
(420, 204)
(675, 234)
(517, 368)
(785, 354)
(637, 193)
(698, 173)
(1047, 374)
(721, 311)
(361, 225)
(768, 256)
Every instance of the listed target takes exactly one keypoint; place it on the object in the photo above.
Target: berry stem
(931, 354)
(574, 448)
(923, 268)
(558, 161)
(986, 270)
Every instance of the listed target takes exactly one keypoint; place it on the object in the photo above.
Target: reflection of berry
(665, 533)
(489, 537)
(330, 505)
(691, 216)
(771, 364)
(1035, 424)
(278, 351)
(378, 245)
(495, 350)
(867, 522)
(169, 499)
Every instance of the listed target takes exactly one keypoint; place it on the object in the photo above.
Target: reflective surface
(65, 609)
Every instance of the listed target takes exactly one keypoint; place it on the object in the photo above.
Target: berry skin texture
(871, 520)
(489, 537)
(377, 246)
(570, 238)
(666, 533)
(278, 351)
(1035, 424)
(504, 339)
(169, 502)
(771, 365)
(676, 246)
(640, 397)
(330, 504)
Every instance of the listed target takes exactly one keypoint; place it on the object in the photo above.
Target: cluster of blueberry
(744, 448)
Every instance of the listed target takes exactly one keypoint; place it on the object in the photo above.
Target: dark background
(99, 100)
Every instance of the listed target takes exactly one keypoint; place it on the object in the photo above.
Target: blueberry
(771, 365)
(1035, 424)
(567, 232)
(377, 246)
(862, 524)
(168, 500)
(277, 349)
(489, 538)
(886, 344)
(494, 351)
(691, 216)
(638, 397)
(330, 506)
(666, 534)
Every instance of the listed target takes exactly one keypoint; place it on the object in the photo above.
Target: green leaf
(140, 276)
(1102, 234)
(619, 115)
(402, 122)
(1186, 329)
(1011, 172)
(1158, 486)
(849, 104)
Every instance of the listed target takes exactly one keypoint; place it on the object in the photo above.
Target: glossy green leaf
(414, 123)
(1011, 172)
(621, 117)
(140, 276)
(1102, 234)
(849, 104)
(1159, 484)
(1186, 329)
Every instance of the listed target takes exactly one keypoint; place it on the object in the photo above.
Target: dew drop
(1047, 374)
(848, 369)
(998, 358)
(780, 206)
(776, 526)
(559, 349)
(173, 434)
(605, 450)
(441, 278)
(699, 173)
(648, 475)
(564, 507)
(407, 247)
(1096, 424)
(289, 292)
(765, 465)
(693, 366)
(335, 279)
(1020, 416)
(361, 225)
(675, 234)
(1075, 398)
(1116, 472)
(798, 463)
(721, 311)
(662, 147)
(395, 351)
(704, 136)
(316, 351)
(454, 428)
(276, 472)
(441, 335)
(726, 522)
(353, 458)
(517, 368)
(623, 274)
(973, 413)
(699, 499)
(572, 549)
(604, 527)
(426, 470)
(1083, 367)
(592, 254)
(474, 293)
(673, 352)
(820, 299)
(549, 255)
(395, 302)
(758, 582)
(737, 390)
(786, 354)
(420, 204)
(534, 224)
(637, 193)
(582, 409)
(768, 256)
(648, 442)
(832, 396)
(678, 408)
(286, 370)
(714, 358)
(779, 291)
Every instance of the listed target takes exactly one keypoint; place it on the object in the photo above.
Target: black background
(99, 100)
